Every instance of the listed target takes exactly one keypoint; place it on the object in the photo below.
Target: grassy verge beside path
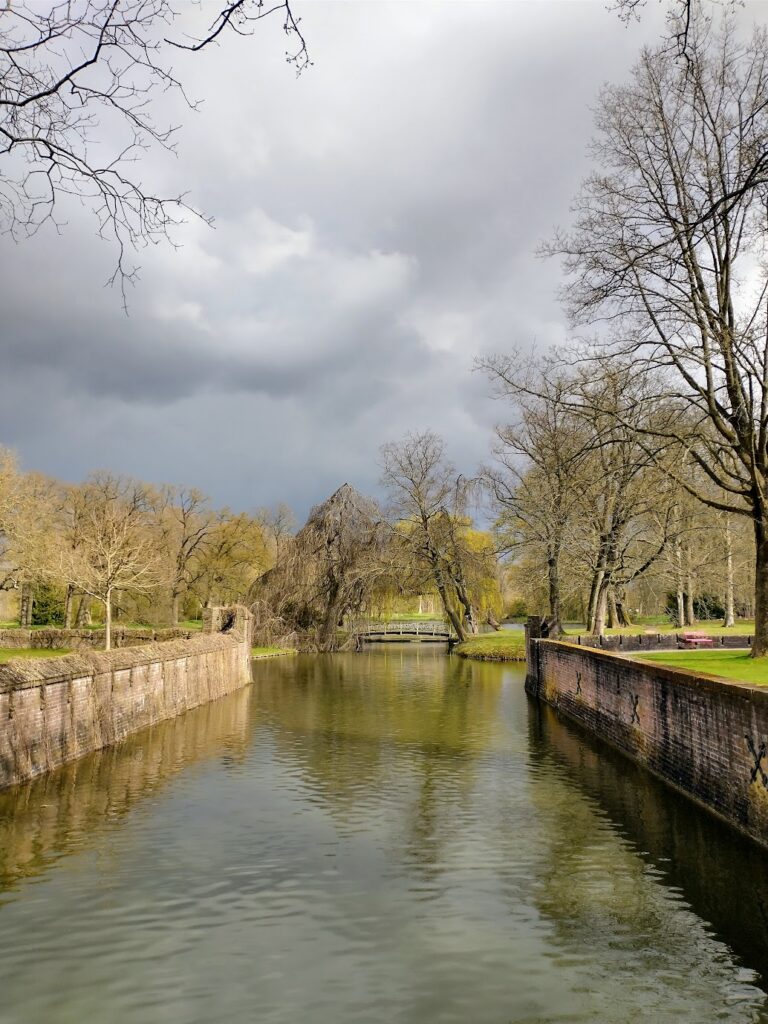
(506, 645)
(728, 664)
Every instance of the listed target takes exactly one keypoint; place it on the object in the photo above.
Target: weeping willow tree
(327, 572)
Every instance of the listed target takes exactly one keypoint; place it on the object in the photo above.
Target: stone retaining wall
(655, 641)
(706, 737)
(54, 710)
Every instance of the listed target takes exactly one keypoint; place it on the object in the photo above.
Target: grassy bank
(506, 645)
(271, 652)
(6, 653)
(729, 664)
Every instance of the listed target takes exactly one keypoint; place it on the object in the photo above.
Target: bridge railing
(425, 628)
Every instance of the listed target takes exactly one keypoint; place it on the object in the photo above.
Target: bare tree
(11, 489)
(115, 551)
(234, 556)
(278, 524)
(536, 481)
(76, 73)
(668, 246)
(679, 17)
(586, 480)
(429, 502)
(185, 523)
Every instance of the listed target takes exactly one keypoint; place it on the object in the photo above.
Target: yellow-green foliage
(486, 590)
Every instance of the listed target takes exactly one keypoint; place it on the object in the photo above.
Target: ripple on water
(395, 836)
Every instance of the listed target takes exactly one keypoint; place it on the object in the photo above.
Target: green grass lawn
(506, 645)
(271, 652)
(729, 664)
(6, 653)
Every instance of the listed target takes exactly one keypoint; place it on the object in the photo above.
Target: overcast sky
(375, 228)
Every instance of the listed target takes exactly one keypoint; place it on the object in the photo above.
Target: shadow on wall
(721, 875)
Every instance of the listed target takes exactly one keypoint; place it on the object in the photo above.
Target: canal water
(394, 836)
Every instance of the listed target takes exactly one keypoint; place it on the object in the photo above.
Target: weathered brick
(706, 737)
(54, 710)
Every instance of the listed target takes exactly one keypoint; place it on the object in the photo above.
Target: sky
(375, 230)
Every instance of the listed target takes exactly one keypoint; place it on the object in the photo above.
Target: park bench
(696, 640)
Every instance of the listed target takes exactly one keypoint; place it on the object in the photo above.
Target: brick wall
(57, 709)
(706, 737)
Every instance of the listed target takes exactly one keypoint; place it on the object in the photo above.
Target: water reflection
(60, 812)
(392, 836)
(723, 876)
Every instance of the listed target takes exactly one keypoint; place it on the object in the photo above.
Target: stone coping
(19, 673)
(706, 680)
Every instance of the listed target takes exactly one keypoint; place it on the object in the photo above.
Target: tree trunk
(69, 601)
(600, 610)
(175, 601)
(622, 615)
(27, 604)
(450, 611)
(760, 642)
(613, 618)
(462, 595)
(470, 617)
(555, 604)
(690, 615)
(108, 622)
(729, 616)
(595, 588)
(680, 606)
(679, 595)
(83, 613)
(589, 618)
(437, 575)
(453, 618)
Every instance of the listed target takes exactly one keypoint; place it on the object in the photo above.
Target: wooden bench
(697, 640)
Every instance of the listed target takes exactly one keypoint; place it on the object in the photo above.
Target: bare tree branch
(76, 73)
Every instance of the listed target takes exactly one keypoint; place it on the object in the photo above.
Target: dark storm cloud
(375, 228)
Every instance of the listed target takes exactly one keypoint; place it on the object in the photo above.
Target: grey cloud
(375, 223)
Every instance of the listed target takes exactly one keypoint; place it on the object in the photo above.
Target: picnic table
(696, 639)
